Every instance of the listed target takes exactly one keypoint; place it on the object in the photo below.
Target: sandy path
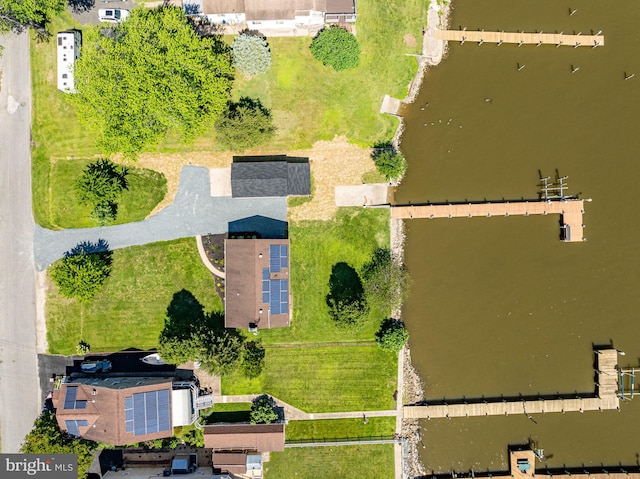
(333, 163)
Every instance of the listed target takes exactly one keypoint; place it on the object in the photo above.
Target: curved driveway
(193, 212)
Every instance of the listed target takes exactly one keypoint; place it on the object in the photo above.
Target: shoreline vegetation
(433, 52)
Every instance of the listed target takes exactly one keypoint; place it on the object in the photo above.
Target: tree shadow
(79, 6)
(345, 283)
(87, 247)
(184, 314)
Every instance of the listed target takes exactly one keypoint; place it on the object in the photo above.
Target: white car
(113, 15)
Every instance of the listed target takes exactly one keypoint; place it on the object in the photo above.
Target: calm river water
(500, 305)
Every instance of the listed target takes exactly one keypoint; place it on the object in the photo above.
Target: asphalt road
(19, 389)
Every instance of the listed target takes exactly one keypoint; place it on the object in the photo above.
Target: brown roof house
(257, 288)
(238, 448)
(275, 17)
(120, 409)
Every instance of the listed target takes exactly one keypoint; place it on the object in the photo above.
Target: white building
(69, 44)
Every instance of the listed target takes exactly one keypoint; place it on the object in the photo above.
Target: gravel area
(193, 212)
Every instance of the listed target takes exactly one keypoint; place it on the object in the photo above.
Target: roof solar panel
(283, 297)
(265, 274)
(164, 418)
(151, 408)
(81, 404)
(284, 250)
(72, 428)
(274, 250)
(82, 422)
(70, 397)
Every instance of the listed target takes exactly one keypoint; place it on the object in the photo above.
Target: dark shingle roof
(270, 179)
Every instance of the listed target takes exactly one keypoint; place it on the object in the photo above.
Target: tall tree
(100, 186)
(16, 15)
(251, 54)
(336, 47)
(386, 282)
(47, 438)
(149, 77)
(83, 270)
(245, 124)
(263, 410)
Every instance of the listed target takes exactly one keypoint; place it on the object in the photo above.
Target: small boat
(153, 359)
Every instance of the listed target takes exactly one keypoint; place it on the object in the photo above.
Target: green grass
(315, 247)
(325, 379)
(228, 412)
(345, 462)
(309, 101)
(55, 124)
(340, 428)
(130, 309)
(60, 208)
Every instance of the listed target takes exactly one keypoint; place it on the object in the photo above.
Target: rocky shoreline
(433, 51)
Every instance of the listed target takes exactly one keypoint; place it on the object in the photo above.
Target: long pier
(520, 38)
(604, 398)
(571, 211)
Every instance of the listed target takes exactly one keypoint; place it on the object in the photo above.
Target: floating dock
(520, 38)
(605, 398)
(571, 211)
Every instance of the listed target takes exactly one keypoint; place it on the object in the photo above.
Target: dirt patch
(333, 163)
(410, 40)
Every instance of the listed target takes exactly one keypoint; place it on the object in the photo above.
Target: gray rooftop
(251, 179)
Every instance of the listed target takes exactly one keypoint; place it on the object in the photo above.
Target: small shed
(270, 176)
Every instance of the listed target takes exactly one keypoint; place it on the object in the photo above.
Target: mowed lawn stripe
(332, 379)
(130, 309)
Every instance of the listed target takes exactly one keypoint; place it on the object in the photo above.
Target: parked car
(98, 366)
(113, 15)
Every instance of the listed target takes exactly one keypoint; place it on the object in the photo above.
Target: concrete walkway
(193, 212)
(370, 194)
(296, 414)
(205, 259)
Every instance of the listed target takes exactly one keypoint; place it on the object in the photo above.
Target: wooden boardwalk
(570, 209)
(605, 398)
(520, 38)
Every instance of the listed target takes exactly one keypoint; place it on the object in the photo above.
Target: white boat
(153, 359)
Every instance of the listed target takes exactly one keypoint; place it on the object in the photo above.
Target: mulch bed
(214, 248)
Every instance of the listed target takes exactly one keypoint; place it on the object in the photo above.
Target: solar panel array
(146, 413)
(72, 426)
(275, 292)
(70, 401)
(278, 257)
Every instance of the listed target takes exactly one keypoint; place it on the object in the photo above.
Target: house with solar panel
(121, 409)
(257, 289)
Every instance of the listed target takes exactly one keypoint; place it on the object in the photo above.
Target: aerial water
(501, 305)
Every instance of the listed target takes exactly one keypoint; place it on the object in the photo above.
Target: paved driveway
(19, 396)
(87, 10)
(193, 212)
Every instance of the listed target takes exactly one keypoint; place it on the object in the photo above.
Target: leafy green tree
(389, 162)
(16, 15)
(100, 186)
(252, 359)
(337, 48)
(346, 300)
(189, 334)
(152, 76)
(386, 283)
(251, 54)
(245, 124)
(47, 438)
(392, 335)
(263, 411)
(82, 271)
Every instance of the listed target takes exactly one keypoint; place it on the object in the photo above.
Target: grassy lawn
(130, 309)
(315, 247)
(340, 428)
(325, 379)
(345, 462)
(58, 206)
(309, 101)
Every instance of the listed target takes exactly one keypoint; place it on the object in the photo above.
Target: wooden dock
(605, 398)
(520, 38)
(571, 211)
(522, 465)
